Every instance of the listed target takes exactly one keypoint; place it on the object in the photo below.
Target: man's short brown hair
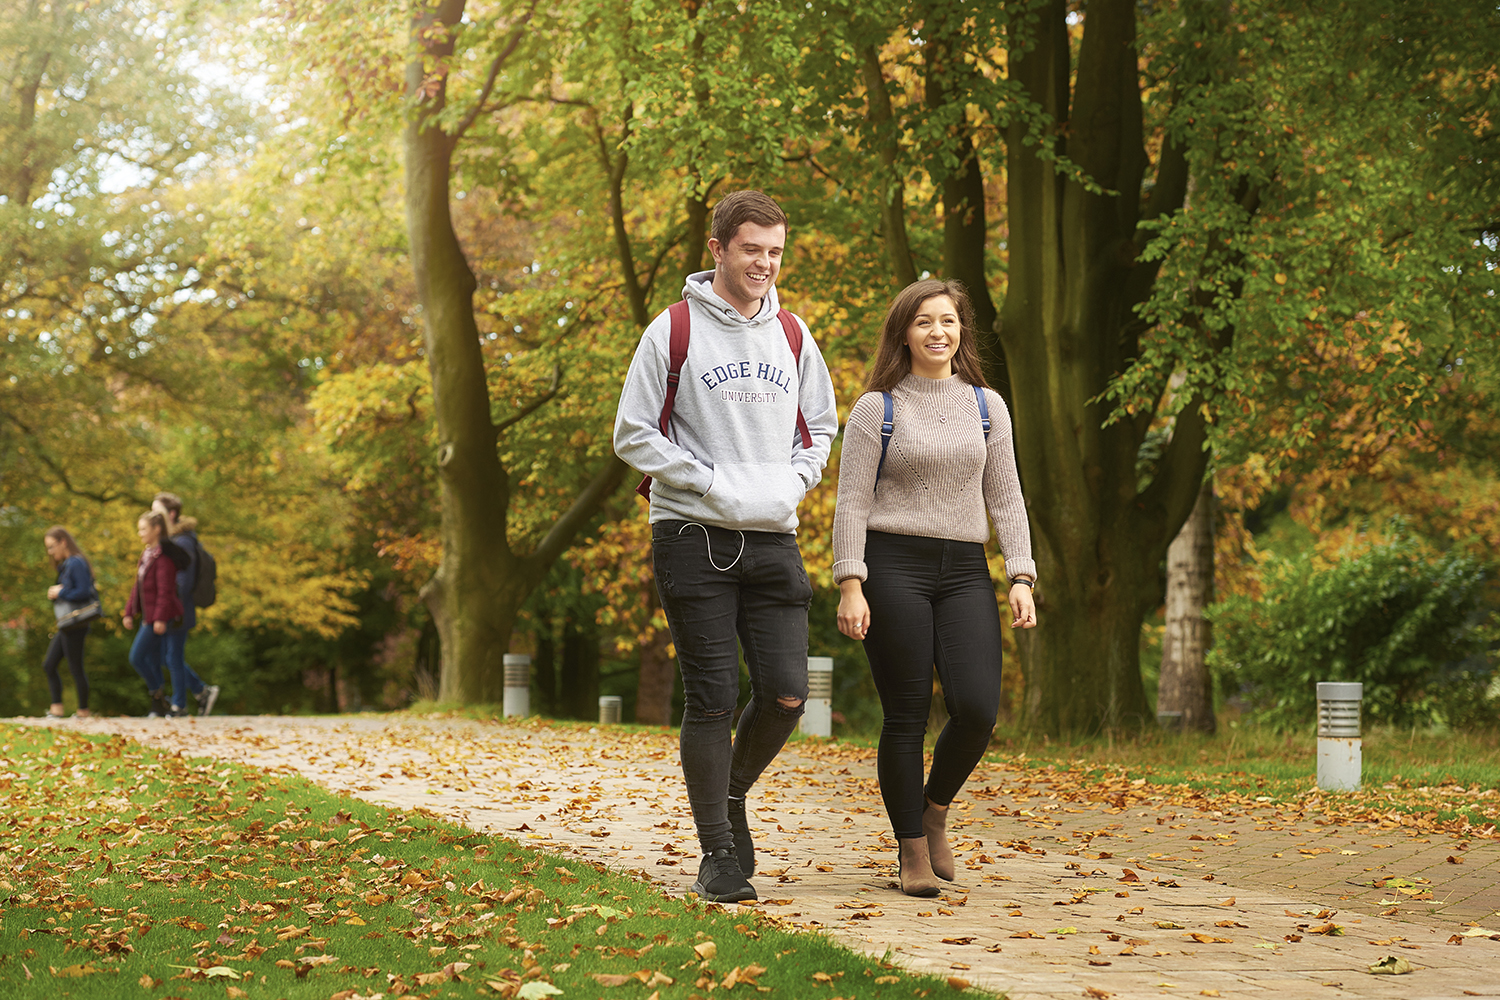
(739, 207)
(171, 501)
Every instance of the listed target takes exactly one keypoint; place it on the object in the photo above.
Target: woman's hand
(128, 622)
(854, 611)
(53, 591)
(1022, 606)
(160, 628)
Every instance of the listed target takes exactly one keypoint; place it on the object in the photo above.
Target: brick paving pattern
(1055, 897)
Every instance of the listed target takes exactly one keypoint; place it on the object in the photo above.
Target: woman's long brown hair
(60, 534)
(893, 357)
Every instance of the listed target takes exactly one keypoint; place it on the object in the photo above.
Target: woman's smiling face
(933, 337)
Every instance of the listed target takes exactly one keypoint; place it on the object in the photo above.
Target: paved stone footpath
(1057, 897)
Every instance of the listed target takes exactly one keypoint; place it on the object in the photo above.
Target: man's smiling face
(747, 268)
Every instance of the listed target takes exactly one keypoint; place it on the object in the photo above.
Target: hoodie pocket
(755, 497)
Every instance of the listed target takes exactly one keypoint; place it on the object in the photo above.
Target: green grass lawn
(125, 871)
(1442, 777)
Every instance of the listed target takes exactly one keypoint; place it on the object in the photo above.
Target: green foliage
(1407, 625)
(1331, 263)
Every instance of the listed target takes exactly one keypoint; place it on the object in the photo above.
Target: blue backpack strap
(887, 428)
(984, 410)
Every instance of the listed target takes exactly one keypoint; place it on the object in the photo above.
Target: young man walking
(184, 532)
(729, 409)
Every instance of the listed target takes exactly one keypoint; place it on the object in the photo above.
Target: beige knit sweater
(940, 474)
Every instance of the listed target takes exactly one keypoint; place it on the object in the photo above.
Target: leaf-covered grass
(125, 871)
(1438, 777)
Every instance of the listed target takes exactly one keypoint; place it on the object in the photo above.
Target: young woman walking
(927, 462)
(154, 599)
(74, 587)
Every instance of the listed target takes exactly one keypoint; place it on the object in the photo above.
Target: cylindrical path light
(517, 684)
(817, 716)
(610, 706)
(1339, 744)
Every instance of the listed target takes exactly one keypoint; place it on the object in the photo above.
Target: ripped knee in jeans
(789, 703)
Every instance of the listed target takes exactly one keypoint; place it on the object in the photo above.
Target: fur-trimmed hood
(185, 525)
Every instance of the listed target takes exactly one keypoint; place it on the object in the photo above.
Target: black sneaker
(744, 847)
(206, 698)
(158, 708)
(719, 879)
(173, 712)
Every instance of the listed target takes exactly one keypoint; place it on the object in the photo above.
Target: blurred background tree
(1253, 243)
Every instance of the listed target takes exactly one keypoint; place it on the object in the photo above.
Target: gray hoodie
(733, 457)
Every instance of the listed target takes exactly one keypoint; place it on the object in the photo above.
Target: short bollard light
(609, 709)
(817, 715)
(517, 684)
(1339, 749)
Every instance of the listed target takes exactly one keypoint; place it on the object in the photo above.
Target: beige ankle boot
(916, 870)
(935, 828)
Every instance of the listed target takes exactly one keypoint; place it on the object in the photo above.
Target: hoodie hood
(699, 288)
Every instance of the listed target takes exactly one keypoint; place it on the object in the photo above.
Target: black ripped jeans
(723, 590)
(931, 604)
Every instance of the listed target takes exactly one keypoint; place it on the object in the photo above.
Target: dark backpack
(677, 354)
(204, 590)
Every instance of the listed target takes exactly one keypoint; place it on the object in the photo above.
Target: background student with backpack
(75, 603)
(154, 600)
(195, 589)
(927, 454)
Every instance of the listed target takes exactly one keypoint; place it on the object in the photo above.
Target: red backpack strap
(677, 354)
(793, 331)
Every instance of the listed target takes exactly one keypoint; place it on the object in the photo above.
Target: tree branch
(489, 82)
(534, 405)
(656, 262)
(563, 530)
(615, 166)
(40, 451)
(1179, 474)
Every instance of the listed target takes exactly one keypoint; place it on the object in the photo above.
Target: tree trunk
(20, 169)
(1186, 691)
(653, 693)
(893, 186)
(481, 582)
(580, 670)
(1098, 538)
(546, 672)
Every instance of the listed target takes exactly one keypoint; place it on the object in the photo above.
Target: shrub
(1409, 625)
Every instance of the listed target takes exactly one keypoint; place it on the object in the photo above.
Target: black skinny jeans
(723, 590)
(931, 603)
(67, 642)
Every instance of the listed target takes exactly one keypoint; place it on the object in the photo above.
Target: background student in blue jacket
(75, 585)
